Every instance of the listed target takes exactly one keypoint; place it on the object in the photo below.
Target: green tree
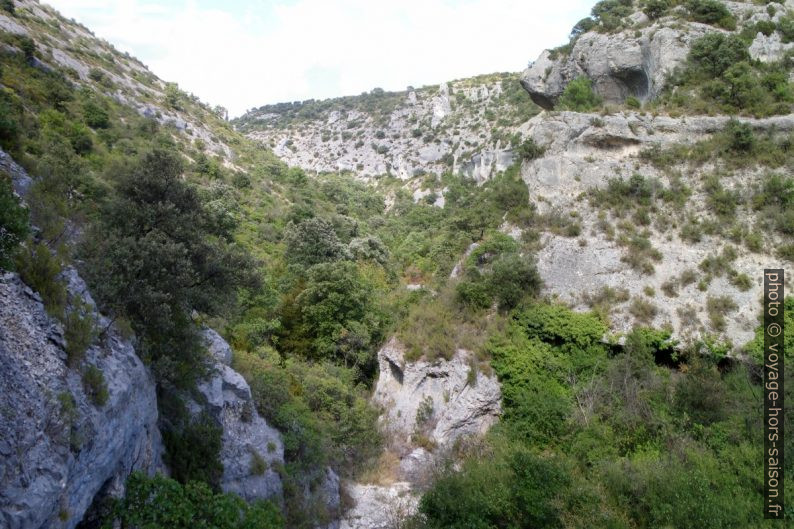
(313, 241)
(155, 255)
(714, 53)
(338, 314)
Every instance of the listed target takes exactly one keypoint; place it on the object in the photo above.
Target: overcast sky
(245, 53)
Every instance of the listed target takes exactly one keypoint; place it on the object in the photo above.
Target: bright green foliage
(13, 223)
(755, 348)
(711, 12)
(162, 503)
(338, 314)
(610, 13)
(579, 96)
(518, 489)
(546, 344)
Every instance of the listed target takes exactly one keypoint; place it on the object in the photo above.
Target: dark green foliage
(720, 71)
(95, 115)
(774, 200)
(529, 150)
(10, 114)
(7, 6)
(714, 53)
(583, 26)
(192, 448)
(13, 223)
(711, 12)
(654, 9)
(313, 241)
(516, 489)
(154, 255)
(338, 315)
(514, 278)
(163, 503)
(579, 96)
(40, 270)
(610, 13)
(79, 333)
(94, 385)
(786, 28)
(740, 135)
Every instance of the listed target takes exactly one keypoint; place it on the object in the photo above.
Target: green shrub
(786, 28)
(517, 489)
(313, 241)
(192, 450)
(583, 26)
(474, 294)
(717, 308)
(95, 116)
(740, 136)
(654, 9)
(579, 96)
(40, 270)
(94, 385)
(514, 278)
(258, 464)
(711, 12)
(7, 6)
(13, 223)
(162, 502)
(714, 53)
(79, 332)
(529, 150)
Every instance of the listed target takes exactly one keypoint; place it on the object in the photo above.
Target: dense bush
(155, 255)
(579, 96)
(160, 502)
(313, 241)
(192, 448)
(711, 12)
(654, 9)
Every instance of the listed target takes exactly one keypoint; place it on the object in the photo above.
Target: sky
(242, 54)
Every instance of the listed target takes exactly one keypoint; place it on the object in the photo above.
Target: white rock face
(246, 435)
(429, 131)
(379, 507)
(440, 401)
(55, 462)
(634, 62)
(463, 403)
(584, 152)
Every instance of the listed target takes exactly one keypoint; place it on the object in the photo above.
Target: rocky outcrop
(251, 450)
(625, 64)
(636, 61)
(426, 407)
(59, 450)
(443, 399)
(379, 507)
(583, 152)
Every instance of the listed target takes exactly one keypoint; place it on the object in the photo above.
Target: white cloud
(245, 54)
